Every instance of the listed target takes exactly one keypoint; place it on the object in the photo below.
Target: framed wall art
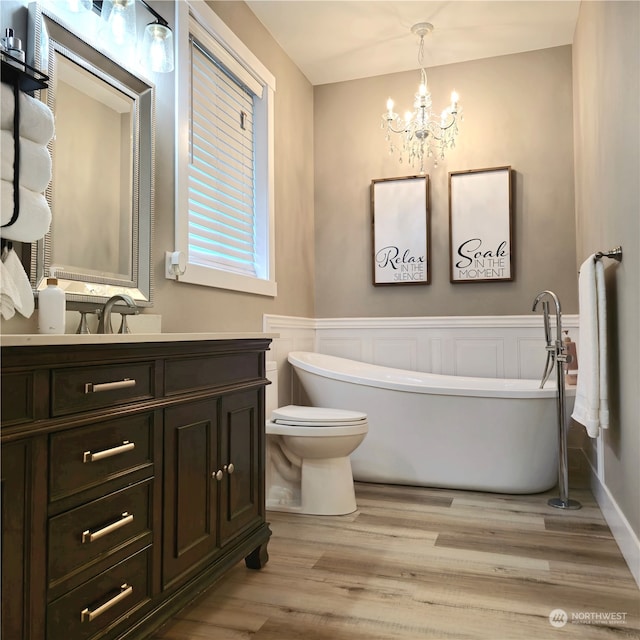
(401, 230)
(480, 216)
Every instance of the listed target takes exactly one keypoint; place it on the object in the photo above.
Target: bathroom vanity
(132, 477)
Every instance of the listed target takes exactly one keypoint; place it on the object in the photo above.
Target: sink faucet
(104, 326)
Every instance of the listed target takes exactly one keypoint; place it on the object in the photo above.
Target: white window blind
(221, 209)
(225, 202)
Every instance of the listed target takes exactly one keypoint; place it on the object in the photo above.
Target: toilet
(308, 469)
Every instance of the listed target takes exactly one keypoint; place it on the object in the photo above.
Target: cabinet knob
(217, 475)
(229, 468)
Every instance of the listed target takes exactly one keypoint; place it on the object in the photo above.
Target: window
(224, 185)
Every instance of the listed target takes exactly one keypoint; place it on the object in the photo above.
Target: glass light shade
(157, 48)
(78, 6)
(119, 25)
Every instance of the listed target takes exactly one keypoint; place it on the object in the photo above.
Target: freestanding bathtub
(425, 429)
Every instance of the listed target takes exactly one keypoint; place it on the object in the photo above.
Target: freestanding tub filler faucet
(556, 354)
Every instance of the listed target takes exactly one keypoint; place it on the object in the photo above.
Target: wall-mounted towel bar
(616, 254)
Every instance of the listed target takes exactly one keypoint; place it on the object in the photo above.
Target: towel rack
(22, 77)
(615, 254)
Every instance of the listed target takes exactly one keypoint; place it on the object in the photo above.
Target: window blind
(222, 226)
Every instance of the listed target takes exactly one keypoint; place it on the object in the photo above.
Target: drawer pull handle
(90, 387)
(87, 615)
(88, 536)
(87, 456)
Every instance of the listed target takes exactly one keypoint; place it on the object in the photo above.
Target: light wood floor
(416, 563)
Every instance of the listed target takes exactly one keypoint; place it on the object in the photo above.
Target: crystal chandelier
(423, 134)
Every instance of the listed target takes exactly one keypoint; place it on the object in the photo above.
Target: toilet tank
(271, 390)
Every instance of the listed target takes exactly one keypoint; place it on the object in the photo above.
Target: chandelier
(422, 134)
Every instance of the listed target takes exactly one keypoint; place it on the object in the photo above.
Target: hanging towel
(35, 162)
(591, 407)
(8, 293)
(34, 218)
(15, 289)
(36, 119)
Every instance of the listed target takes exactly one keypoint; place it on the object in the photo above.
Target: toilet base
(326, 489)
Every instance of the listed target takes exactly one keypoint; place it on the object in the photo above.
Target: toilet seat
(294, 420)
(296, 415)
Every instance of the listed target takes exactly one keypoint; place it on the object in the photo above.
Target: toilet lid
(317, 416)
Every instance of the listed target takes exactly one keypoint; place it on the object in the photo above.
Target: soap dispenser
(51, 308)
(571, 365)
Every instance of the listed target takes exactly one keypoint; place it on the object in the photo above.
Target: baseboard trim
(624, 535)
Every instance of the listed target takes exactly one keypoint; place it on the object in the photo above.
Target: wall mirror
(99, 243)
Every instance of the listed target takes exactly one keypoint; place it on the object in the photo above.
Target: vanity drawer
(86, 388)
(102, 602)
(191, 374)
(88, 456)
(89, 533)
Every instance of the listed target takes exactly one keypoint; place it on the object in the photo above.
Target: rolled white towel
(34, 218)
(35, 162)
(36, 119)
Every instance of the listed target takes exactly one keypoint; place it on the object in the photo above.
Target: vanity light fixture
(422, 133)
(118, 19)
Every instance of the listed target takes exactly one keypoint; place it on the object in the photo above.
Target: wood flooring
(416, 564)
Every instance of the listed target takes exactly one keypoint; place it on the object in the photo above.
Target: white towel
(34, 217)
(8, 293)
(591, 407)
(36, 119)
(15, 289)
(35, 162)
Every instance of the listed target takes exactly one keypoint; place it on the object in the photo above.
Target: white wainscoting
(484, 346)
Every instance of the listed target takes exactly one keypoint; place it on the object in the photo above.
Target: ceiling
(332, 41)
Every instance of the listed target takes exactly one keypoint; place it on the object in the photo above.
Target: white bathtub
(432, 430)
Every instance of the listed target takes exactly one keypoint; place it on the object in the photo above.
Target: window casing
(224, 183)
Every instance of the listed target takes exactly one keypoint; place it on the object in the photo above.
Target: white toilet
(308, 469)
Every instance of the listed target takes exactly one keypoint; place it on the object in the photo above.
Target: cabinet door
(242, 453)
(23, 495)
(190, 487)
(14, 496)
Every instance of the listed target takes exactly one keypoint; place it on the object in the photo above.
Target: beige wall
(606, 73)
(518, 112)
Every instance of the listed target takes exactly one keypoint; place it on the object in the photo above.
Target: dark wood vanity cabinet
(212, 480)
(132, 478)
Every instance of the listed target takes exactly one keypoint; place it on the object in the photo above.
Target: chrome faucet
(104, 325)
(556, 352)
(557, 355)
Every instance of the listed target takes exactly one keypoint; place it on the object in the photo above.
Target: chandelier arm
(398, 131)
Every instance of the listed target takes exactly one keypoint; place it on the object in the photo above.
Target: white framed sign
(480, 212)
(401, 230)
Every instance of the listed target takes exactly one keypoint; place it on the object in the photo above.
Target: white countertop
(28, 339)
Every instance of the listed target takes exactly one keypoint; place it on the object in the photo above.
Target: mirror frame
(49, 35)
